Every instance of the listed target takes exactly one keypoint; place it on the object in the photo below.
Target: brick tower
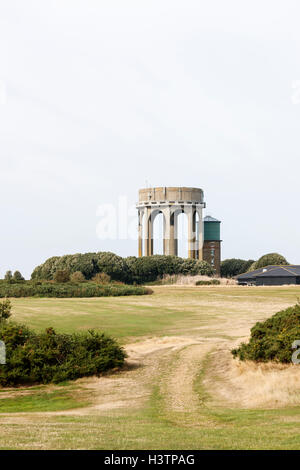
(212, 243)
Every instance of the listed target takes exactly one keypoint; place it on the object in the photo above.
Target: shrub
(77, 277)
(267, 260)
(101, 278)
(18, 276)
(148, 291)
(8, 276)
(234, 266)
(33, 358)
(5, 310)
(62, 275)
(212, 282)
(63, 290)
(272, 339)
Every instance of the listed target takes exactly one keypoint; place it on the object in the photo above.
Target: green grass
(170, 311)
(211, 312)
(41, 401)
(120, 319)
(154, 429)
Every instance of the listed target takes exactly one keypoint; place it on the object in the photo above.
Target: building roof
(272, 271)
(209, 218)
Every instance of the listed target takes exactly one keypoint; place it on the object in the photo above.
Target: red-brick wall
(212, 254)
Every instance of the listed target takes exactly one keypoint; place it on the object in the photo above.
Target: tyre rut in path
(178, 385)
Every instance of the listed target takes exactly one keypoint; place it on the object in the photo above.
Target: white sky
(97, 97)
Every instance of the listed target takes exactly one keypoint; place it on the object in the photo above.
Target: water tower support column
(191, 232)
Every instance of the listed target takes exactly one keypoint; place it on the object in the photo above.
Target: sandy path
(147, 361)
(130, 388)
(180, 393)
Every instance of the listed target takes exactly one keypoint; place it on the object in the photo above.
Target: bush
(101, 278)
(212, 282)
(77, 277)
(51, 289)
(33, 358)
(272, 340)
(267, 260)
(5, 310)
(234, 266)
(62, 275)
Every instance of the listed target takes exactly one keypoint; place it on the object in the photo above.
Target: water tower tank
(211, 229)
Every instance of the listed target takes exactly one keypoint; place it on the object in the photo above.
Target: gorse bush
(66, 289)
(272, 339)
(5, 310)
(131, 270)
(33, 358)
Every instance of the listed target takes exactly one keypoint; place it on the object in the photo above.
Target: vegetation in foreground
(40, 358)
(152, 424)
(272, 339)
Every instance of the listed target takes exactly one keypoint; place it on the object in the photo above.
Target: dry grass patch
(246, 384)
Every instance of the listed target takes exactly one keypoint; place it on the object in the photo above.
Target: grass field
(180, 389)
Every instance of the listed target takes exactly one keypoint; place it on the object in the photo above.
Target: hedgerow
(272, 339)
(67, 289)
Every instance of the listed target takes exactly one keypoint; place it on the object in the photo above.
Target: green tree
(129, 270)
(268, 260)
(234, 266)
(8, 276)
(18, 276)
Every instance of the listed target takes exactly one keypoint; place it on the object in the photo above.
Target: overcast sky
(98, 97)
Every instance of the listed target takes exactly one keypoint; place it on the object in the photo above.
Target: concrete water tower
(171, 201)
